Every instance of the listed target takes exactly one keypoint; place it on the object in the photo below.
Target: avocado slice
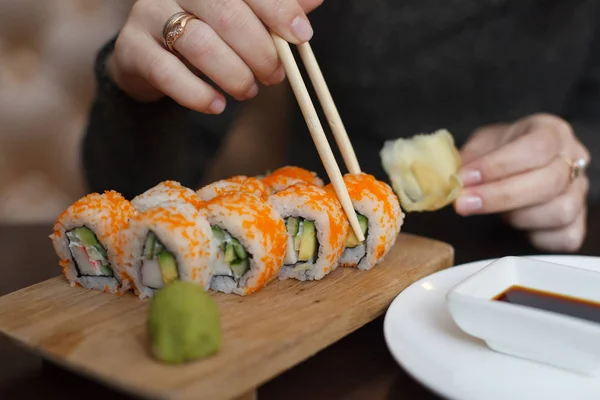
(149, 246)
(308, 245)
(229, 253)
(292, 225)
(168, 267)
(239, 268)
(352, 240)
(239, 249)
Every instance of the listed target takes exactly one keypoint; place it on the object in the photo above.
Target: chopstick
(331, 112)
(316, 131)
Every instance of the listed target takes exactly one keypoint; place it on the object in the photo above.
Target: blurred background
(47, 51)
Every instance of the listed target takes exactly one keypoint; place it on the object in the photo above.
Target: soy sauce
(553, 302)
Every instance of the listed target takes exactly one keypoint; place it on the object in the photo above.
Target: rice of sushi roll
(235, 184)
(165, 192)
(379, 215)
(251, 239)
(86, 237)
(285, 177)
(168, 243)
(317, 229)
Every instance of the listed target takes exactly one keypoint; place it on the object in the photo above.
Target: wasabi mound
(183, 323)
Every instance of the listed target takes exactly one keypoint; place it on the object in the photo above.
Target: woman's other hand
(522, 170)
(228, 42)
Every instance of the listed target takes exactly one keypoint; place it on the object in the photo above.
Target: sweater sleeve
(129, 146)
(584, 115)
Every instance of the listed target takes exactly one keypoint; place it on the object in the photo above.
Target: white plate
(426, 342)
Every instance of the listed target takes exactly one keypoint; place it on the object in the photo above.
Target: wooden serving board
(104, 336)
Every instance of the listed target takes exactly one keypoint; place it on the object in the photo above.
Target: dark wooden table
(357, 367)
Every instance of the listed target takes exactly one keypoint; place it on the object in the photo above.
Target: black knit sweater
(395, 68)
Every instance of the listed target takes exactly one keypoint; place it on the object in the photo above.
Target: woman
(516, 82)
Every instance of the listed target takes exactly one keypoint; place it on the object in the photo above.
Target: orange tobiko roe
(289, 175)
(366, 185)
(235, 184)
(258, 217)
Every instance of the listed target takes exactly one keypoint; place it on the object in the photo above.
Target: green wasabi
(183, 323)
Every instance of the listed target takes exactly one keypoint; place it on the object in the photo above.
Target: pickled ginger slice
(423, 170)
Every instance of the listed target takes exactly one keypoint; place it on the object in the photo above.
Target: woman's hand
(228, 42)
(522, 171)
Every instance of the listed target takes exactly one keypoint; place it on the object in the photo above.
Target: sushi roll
(316, 231)
(379, 215)
(86, 238)
(251, 239)
(235, 184)
(285, 177)
(165, 192)
(167, 243)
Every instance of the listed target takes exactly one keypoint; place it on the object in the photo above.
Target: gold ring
(577, 166)
(174, 28)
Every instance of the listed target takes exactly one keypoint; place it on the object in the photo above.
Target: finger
(558, 212)
(534, 149)
(284, 17)
(168, 74)
(527, 189)
(238, 26)
(483, 141)
(202, 47)
(567, 239)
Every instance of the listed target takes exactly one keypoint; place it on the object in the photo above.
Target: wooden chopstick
(331, 112)
(316, 130)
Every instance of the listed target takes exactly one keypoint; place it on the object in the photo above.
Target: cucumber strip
(239, 249)
(292, 225)
(229, 253)
(149, 246)
(302, 267)
(106, 270)
(363, 222)
(102, 251)
(298, 237)
(218, 233)
(86, 236)
(158, 246)
(239, 268)
(221, 236)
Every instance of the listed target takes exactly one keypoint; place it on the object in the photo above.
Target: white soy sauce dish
(554, 338)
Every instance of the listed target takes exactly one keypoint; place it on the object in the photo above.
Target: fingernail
(217, 106)
(468, 204)
(277, 76)
(470, 177)
(252, 92)
(301, 29)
